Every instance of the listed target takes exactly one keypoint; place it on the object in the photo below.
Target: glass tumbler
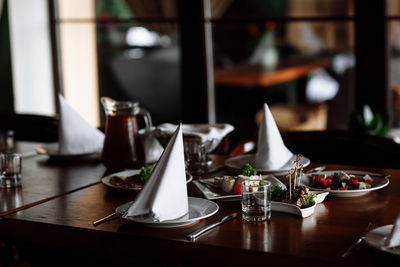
(195, 155)
(10, 170)
(256, 200)
(6, 141)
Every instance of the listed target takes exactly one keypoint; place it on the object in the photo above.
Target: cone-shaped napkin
(393, 240)
(164, 197)
(272, 154)
(75, 134)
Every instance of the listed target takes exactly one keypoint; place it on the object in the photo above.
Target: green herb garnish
(277, 193)
(308, 200)
(248, 170)
(145, 172)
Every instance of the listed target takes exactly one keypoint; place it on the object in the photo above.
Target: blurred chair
(297, 117)
(336, 147)
(30, 127)
(345, 147)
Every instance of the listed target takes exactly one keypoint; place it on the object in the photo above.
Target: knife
(201, 231)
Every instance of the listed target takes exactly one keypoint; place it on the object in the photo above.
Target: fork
(215, 189)
(350, 249)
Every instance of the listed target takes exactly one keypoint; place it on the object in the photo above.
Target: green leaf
(145, 172)
(308, 200)
(248, 170)
(277, 193)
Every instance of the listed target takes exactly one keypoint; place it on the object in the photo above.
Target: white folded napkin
(393, 240)
(164, 196)
(272, 154)
(206, 132)
(75, 135)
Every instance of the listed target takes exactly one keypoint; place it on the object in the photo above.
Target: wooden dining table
(59, 201)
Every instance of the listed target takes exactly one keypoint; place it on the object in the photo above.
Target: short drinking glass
(10, 170)
(6, 141)
(195, 155)
(256, 200)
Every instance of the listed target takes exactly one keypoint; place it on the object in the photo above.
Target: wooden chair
(336, 147)
(345, 147)
(30, 127)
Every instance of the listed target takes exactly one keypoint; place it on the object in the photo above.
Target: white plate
(123, 174)
(52, 151)
(275, 206)
(239, 161)
(378, 183)
(376, 237)
(199, 208)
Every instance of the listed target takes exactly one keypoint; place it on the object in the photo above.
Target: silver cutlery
(215, 188)
(316, 169)
(350, 249)
(211, 184)
(107, 218)
(29, 154)
(201, 231)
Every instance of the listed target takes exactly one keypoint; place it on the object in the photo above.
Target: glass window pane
(293, 66)
(123, 9)
(394, 7)
(394, 70)
(292, 8)
(141, 62)
(76, 9)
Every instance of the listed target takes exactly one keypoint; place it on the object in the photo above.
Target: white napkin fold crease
(75, 135)
(206, 132)
(393, 240)
(272, 154)
(164, 196)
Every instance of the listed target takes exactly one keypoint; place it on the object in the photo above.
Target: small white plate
(52, 151)
(199, 208)
(239, 161)
(275, 206)
(376, 237)
(123, 174)
(379, 182)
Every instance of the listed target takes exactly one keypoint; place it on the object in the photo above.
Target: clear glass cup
(10, 170)
(256, 200)
(195, 155)
(6, 141)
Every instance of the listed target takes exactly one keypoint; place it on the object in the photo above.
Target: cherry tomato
(238, 189)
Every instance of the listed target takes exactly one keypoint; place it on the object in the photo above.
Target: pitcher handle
(146, 117)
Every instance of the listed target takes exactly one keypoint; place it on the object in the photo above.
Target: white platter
(377, 236)
(123, 174)
(199, 208)
(275, 206)
(239, 161)
(379, 181)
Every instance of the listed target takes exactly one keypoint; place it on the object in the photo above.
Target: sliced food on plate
(298, 195)
(135, 180)
(342, 181)
(345, 183)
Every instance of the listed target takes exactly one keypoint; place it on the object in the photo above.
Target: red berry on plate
(238, 189)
